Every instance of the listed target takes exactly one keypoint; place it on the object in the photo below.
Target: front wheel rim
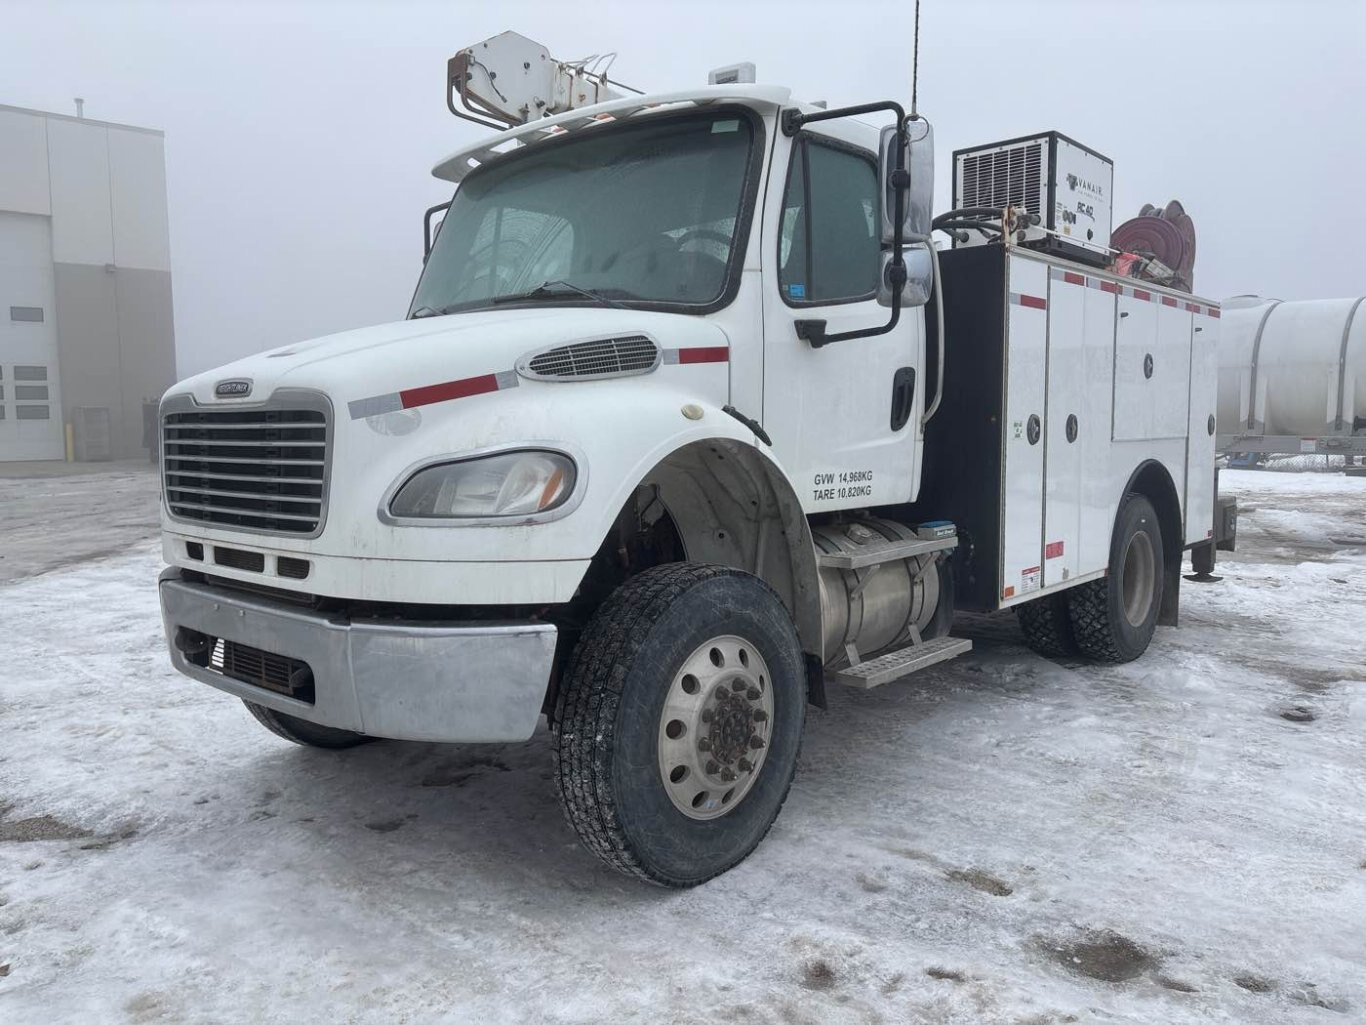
(715, 727)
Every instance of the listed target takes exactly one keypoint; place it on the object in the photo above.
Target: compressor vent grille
(598, 358)
(1005, 177)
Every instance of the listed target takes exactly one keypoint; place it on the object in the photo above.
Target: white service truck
(686, 422)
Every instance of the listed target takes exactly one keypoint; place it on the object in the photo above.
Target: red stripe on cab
(1033, 302)
(1145, 296)
(705, 354)
(430, 393)
(1192, 308)
(1109, 286)
(1214, 312)
(1168, 301)
(1073, 279)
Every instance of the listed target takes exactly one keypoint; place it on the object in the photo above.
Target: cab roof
(763, 98)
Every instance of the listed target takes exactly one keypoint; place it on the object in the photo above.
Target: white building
(86, 337)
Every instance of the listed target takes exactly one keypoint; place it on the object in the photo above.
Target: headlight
(508, 484)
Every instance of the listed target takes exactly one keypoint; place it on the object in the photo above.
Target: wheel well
(1153, 482)
(733, 507)
(717, 501)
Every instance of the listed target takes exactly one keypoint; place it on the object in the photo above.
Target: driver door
(844, 418)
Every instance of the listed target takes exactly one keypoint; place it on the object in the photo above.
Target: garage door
(30, 412)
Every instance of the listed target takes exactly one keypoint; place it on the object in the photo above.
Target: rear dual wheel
(678, 722)
(1111, 619)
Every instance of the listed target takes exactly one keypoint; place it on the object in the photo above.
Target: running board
(887, 551)
(902, 662)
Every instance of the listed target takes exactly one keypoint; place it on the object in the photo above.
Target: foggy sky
(300, 136)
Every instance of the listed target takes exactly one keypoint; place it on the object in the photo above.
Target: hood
(413, 354)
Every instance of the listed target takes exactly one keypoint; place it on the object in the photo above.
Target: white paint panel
(1026, 363)
(23, 163)
(137, 177)
(1204, 384)
(1157, 336)
(1100, 493)
(78, 156)
(26, 279)
(1062, 457)
(828, 410)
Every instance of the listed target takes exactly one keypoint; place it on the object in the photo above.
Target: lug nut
(738, 685)
(756, 742)
(704, 744)
(728, 776)
(712, 768)
(706, 715)
(760, 715)
(752, 694)
(746, 765)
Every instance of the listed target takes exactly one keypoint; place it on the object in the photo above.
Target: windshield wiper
(557, 290)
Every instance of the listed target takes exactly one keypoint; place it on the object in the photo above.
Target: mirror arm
(813, 331)
(427, 227)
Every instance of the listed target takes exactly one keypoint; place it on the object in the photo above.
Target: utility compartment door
(1025, 405)
(1062, 424)
(1098, 489)
(1152, 367)
(1204, 385)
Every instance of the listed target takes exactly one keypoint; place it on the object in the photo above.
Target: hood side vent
(592, 359)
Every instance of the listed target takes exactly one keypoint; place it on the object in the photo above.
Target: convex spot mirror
(919, 278)
(919, 161)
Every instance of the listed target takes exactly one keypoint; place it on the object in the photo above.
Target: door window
(829, 250)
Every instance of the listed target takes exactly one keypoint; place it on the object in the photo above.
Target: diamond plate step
(902, 662)
(887, 551)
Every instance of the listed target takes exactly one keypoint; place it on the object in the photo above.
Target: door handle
(903, 397)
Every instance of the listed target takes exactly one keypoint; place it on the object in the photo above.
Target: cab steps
(901, 662)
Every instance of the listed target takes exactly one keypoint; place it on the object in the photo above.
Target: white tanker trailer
(1292, 376)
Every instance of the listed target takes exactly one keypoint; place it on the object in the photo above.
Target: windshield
(648, 212)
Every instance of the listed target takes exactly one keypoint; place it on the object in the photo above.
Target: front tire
(303, 732)
(678, 722)
(1113, 619)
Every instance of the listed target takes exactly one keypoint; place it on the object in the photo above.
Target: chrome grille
(600, 357)
(262, 470)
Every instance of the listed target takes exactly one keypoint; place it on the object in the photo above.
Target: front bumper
(453, 682)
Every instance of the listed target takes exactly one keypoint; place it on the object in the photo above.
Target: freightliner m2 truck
(688, 423)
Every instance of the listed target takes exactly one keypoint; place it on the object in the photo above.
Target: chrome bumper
(457, 682)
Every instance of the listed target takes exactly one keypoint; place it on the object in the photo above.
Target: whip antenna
(915, 63)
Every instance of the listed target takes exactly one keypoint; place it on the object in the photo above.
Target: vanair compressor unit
(1065, 184)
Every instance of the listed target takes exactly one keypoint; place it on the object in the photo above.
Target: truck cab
(646, 459)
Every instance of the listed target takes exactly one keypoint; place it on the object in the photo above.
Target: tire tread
(586, 707)
(1047, 625)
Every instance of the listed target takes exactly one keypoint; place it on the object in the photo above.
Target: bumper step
(902, 662)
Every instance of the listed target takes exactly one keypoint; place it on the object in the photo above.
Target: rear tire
(301, 731)
(678, 722)
(1113, 619)
(1047, 625)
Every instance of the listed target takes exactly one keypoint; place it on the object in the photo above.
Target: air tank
(1292, 369)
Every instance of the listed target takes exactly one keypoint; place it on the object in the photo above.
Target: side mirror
(919, 278)
(918, 203)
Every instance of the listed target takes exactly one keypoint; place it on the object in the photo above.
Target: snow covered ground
(1003, 839)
